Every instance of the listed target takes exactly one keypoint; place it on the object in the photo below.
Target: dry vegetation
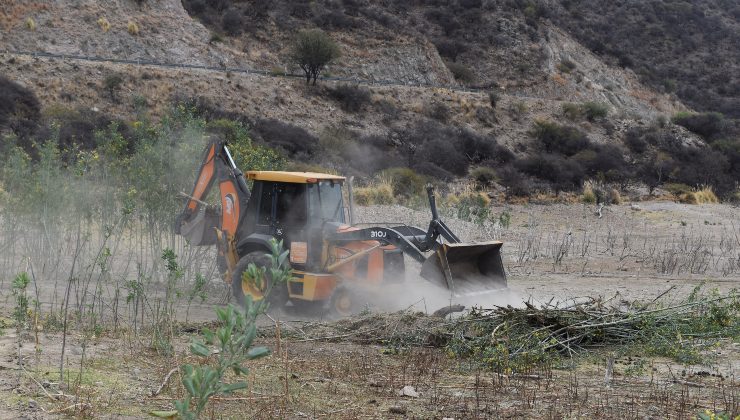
(619, 306)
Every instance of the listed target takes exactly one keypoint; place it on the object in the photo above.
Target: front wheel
(344, 302)
(240, 287)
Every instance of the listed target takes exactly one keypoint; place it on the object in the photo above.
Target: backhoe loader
(332, 260)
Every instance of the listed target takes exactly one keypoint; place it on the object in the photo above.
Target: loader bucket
(465, 268)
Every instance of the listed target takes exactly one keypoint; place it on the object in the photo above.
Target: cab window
(325, 201)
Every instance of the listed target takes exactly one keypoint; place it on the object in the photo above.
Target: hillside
(468, 76)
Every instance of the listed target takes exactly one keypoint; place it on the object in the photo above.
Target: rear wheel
(240, 287)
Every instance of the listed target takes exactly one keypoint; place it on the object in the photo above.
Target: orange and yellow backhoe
(331, 259)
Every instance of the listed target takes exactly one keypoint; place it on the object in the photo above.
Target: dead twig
(164, 383)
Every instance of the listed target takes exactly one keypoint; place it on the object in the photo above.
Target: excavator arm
(201, 224)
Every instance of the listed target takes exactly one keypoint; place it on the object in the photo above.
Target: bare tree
(312, 51)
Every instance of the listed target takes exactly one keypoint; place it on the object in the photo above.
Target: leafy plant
(234, 341)
(112, 84)
(20, 312)
(312, 51)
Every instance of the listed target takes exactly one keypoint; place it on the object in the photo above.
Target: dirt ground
(323, 369)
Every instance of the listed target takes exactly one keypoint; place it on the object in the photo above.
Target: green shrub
(234, 342)
(312, 50)
(232, 22)
(450, 49)
(588, 196)
(352, 98)
(518, 109)
(437, 111)
(493, 98)
(112, 84)
(405, 182)
(588, 110)
(461, 72)
(571, 111)
(20, 111)
(483, 176)
(709, 125)
(594, 110)
(470, 205)
(566, 66)
(561, 139)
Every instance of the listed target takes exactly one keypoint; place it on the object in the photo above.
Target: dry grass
(104, 24)
(379, 192)
(705, 195)
(588, 196)
(133, 28)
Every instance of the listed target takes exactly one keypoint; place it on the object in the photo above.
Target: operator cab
(287, 205)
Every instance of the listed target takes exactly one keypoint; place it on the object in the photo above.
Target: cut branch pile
(503, 336)
(678, 330)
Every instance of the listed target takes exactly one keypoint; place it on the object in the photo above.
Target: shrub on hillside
(20, 111)
(483, 176)
(296, 142)
(709, 125)
(88, 130)
(594, 110)
(405, 182)
(312, 50)
(437, 111)
(479, 149)
(634, 141)
(450, 49)
(352, 98)
(460, 72)
(470, 4)
(493, 98)
(605, 161)
(516, 183)
(444, 18)
(112, 85)
(566, 66)
(195, 7)
(555, 138)
(442, 153)
(563, 174)
(335, 19)
(377, 193)
(591, 111)
(232, 22)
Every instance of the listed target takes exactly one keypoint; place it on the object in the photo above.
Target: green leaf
(164, 414)
(257, 352)
(188, 383)
(240, 370)
(227, 389)
(250, 335)
(188, 370)
(209, 335)
(199, 349)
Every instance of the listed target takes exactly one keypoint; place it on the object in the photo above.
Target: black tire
(278, 295)
(344, 302)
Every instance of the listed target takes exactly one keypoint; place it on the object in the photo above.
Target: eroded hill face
(160, 30)
(489, 45)
(686, 47)
(426, 68)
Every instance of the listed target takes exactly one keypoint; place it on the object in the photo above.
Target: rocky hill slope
(491, 68)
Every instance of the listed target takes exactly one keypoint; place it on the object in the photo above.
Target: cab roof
(293, 177)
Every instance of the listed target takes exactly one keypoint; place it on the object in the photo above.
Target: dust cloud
(417, 294)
